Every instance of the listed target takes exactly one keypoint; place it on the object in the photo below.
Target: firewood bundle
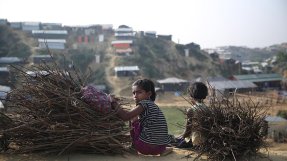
(230, 129)
(50, 116)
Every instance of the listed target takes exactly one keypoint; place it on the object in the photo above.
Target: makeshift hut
(37, 59)
(276, 126)
(126, 71)
(173, 84)
(3, 91)
(263, 81)
(226, 87)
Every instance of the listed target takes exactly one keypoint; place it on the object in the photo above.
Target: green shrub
(82, 61)
(282, 113)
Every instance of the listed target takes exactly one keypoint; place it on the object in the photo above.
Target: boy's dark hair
(198, 90)
(146, 85)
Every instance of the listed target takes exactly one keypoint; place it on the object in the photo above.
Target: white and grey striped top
(153, 124)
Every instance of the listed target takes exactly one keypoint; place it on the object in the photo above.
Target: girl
(149, 128)
(198, 92)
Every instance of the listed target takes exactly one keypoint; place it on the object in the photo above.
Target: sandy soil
(176, 155)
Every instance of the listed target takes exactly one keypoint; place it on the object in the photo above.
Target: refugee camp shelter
(52, 43)
(262, 81)
(124, 33)
(50, 34)
(38, 59)
(173, 84)
(276, 125)
(10, 60)
(3, 92)
(126, 71)
(122, 44)
(227, 86)
(29, 26)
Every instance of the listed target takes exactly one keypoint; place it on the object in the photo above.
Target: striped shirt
(153, 124)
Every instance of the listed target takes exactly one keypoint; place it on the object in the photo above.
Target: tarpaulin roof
(275, 119)
(172, 80)
(232, 84)
(259, 77)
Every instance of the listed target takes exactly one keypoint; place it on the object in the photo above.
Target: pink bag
(97, 99)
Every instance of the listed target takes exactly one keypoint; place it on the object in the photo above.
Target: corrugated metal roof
(122, 42)
(128, 50)
(124, 30)
(275, 119)
(210, 79)
(150, 32)
(124, 34)
(232, 84)
(31, 23)
(4, 69)
(172, 80)
(41, 56)
(50, 32)
(259, 77)
(10, 60)
(126, 68)
(3, 91)
(51, 24)
(52, 40)
(5, 88)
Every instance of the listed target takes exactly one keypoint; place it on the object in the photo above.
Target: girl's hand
(134, 119)
(115, 105)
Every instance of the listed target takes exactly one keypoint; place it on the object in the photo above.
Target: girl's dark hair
(198, 90)
(146, 85)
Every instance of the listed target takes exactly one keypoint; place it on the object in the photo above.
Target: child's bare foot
(167, 151)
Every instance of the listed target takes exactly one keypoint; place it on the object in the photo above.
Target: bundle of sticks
(231, 129)
(50, 116)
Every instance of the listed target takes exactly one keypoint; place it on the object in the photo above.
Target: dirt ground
(177, 155)
(276, 151)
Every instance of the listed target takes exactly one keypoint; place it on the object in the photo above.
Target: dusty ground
(276, 151)
(176, 155)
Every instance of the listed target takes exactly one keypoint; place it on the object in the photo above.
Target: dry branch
(232, 129)
(49, 116)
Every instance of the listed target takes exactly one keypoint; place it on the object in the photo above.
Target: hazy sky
(209, 23)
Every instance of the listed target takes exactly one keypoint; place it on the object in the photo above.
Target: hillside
(156, 58)
(249, 54)
(160, 59)
(254, 54)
